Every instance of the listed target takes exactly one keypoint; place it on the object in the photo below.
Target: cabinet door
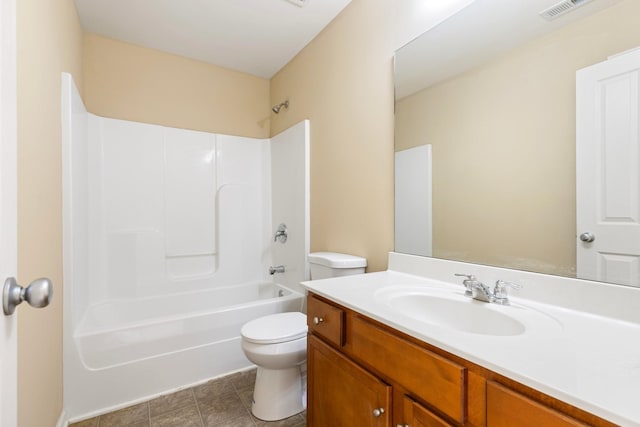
(416, 415)
(507, 408)
(342, 394)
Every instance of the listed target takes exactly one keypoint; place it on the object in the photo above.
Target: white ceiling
(257, 37)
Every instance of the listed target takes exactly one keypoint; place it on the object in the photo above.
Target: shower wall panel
(168, 205)
(290, 200)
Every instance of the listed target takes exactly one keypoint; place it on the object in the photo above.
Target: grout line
(149, 413)
(193, 394)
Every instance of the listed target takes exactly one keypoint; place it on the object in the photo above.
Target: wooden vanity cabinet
(364, 373)
(341, 392)
(506, 408)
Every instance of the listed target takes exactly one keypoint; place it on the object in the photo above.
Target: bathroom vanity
(381, 354)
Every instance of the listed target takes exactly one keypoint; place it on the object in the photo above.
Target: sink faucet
(475, 288)
(468, 283)
(500, 295)
(481, 292)
(277, 269)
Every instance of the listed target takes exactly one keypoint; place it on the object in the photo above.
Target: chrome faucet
(500, 295)
(481, 292)
(276, 269)
(281, 234)
(468, 283)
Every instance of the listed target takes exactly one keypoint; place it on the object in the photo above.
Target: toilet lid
(275, 328)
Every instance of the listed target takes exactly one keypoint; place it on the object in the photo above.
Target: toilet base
(277, 394)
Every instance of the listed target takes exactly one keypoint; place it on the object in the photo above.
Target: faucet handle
(468, 283)
(500, 291)
(281, 234)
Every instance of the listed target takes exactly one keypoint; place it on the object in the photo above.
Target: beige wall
(342, 81)
(503, 140)
(129, 82)
(49, 41)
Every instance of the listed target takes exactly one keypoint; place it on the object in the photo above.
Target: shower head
(278, 107)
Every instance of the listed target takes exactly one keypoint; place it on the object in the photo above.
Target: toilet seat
(275, 328)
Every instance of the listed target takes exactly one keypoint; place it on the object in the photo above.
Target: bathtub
(130, 351)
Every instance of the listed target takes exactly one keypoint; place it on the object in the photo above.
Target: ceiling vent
(299, 3)
(561, 8)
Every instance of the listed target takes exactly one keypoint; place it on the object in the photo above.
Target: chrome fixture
(281, 234)
(378, 412)
(481, 292)
(468, 283)
(277, 269)
(276, 109)
(500, 295)
(587, 237)
(38, 294)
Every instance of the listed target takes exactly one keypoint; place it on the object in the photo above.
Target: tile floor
(224, 402)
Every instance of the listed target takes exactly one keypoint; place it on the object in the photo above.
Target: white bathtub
(129, 351)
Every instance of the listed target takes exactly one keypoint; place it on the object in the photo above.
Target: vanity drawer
(437, 381)
(506, 407)
(325, 320)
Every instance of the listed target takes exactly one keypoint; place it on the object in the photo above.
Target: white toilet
(277, 344)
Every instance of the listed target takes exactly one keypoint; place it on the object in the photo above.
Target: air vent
(561, 8)
(299, 3)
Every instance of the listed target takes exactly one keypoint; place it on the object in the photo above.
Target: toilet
(277, 345)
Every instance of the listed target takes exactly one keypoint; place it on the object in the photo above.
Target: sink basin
(465, 315)
(452, 310)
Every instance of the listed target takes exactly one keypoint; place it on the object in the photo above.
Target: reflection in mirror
(492, 93)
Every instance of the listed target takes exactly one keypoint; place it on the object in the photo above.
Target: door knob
(38, 294)
(587, 237)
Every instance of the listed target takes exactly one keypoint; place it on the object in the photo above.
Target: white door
(413, 201)
(607, 170)
(8, 325)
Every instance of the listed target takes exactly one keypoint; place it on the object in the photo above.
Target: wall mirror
(485, 138)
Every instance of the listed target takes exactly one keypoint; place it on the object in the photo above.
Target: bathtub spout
(277, 269)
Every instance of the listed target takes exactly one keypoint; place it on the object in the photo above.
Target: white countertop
(588, 360)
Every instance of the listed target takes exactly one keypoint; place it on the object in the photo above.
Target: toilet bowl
(277, 345)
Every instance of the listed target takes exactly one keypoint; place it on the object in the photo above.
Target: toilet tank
(324, 265)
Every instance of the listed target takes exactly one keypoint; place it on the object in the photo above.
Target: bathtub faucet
(277, 269)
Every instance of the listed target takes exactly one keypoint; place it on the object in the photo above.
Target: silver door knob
(378, 411)
(38, 294)
(587, 237)
(317, 320)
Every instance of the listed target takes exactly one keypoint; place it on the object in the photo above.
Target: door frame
(8, 211)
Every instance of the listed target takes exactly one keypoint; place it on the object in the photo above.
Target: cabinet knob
(317, 320)
(378, 411)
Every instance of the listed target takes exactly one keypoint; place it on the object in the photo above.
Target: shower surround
(168, 239)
